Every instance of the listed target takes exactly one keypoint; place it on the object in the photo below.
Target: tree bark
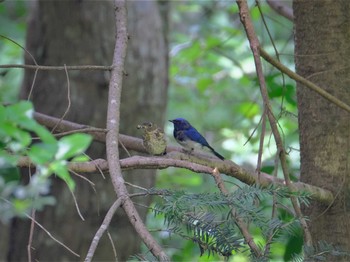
(322, 54)
(81, 33)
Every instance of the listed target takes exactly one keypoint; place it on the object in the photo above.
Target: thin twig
(261, 143)
(58, 68)
(44, 229)
(96, 165)
(69, 101)
(113, 246)
(254, 130)
(274, 48)
(31, 56)
(92, 184)
(125, 149)
(303, 80)
(32, 85)
(76, 204)
(22, 47)
(103, 228)
(136, 186)
(51, 236)
(31, 233)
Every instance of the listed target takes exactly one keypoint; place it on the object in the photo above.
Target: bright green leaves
(20, 137)
(41, 153)
(248, 109)
(70, 146)
(16, 124)
(276, 89)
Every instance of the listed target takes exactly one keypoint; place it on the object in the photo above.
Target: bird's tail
(216, 153)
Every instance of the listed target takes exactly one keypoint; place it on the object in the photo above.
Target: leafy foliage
(13, 20)
(49, 156)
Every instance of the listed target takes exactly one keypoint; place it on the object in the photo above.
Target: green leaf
(44, 134)
(7, 160)
(21, 205)
(267, 169)
(213, 41)
(42, 153)
(2, 112)
(60, 169)
(249, 109)
(193, 52)
(80, 158)
(290, 95)
(23, 137)
(204, 83)
(21, 113)
(9, 173)
(72, 145)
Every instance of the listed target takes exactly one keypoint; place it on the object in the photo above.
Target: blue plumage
(187, 136)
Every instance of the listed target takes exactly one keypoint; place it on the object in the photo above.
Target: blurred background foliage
(213, 84)
(13, 16)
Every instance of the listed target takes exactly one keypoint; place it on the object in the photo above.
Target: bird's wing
(180, 136)
(195, 136)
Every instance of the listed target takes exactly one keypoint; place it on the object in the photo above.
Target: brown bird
(153, 139)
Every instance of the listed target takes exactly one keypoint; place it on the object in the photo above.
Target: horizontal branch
(197, 165)
(98, 134)
(196, 162)
(41, 67)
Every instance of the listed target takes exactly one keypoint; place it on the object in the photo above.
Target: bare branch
(198, 165)
(99, 134)
(102, 229)
(58, 68)
(112, 136)
(31, 233)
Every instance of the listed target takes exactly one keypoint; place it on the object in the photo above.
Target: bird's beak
(172, 121)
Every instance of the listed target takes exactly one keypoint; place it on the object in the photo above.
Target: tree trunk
(322, 54)
(82, 33)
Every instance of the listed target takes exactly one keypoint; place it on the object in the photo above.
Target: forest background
(201, 68)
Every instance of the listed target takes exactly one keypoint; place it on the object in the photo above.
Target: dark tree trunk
(322, 54)
(81, 33)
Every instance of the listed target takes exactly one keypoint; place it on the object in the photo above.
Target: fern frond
(210, 223)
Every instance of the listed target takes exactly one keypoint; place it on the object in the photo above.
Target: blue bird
(188, 137)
